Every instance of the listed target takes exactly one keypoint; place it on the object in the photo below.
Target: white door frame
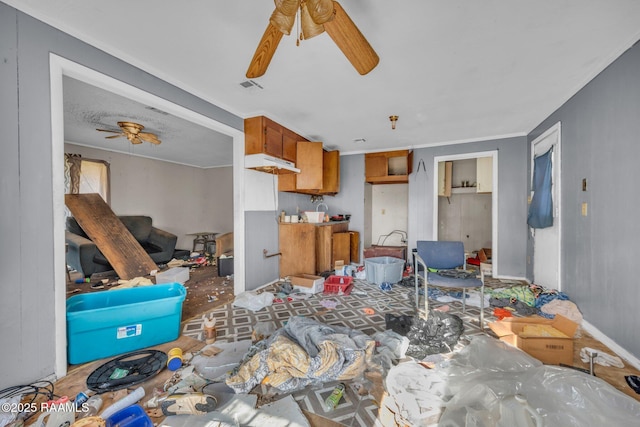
(494, 199)
(546, 141)
(60, 67)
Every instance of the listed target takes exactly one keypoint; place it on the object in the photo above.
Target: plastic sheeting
(489, 383)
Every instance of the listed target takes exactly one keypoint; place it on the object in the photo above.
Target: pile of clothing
(527, 300)
(301, 353)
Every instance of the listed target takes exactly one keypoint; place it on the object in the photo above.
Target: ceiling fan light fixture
(326, 13)
(393, 119)
(133, 132)
(287, 7)
(282, 22)
(320, 11)
(309, 27)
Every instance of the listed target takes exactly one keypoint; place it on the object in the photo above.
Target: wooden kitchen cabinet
(341, 247)
(319, 171)
(311, 248)
(298, 249)
(389, 167)
(484, 174)
(325, 245)
(263, 135)
(445, 175)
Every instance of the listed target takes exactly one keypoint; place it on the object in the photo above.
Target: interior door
(546, 241)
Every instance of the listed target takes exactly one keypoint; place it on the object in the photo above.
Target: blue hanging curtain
(541, 207)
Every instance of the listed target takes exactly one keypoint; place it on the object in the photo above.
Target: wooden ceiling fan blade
(136, 140)
(114, 136)
(350, 41)
(264, 52)
(149, 137)
(107, 130)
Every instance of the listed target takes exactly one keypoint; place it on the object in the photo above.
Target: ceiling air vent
(249, 84)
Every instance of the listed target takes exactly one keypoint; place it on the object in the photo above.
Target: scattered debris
(329, 303)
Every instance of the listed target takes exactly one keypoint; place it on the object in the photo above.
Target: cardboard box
(173, 275)
(308, 283)
(549, 350)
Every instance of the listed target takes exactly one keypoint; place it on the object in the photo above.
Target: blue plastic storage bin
(383, 269)
(109, 323)
(132, 416)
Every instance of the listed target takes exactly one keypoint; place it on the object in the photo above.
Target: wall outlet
(584, 209)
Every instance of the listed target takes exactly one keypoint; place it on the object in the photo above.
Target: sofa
(84, 256)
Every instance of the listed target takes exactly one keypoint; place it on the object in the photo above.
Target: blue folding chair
(443, 255)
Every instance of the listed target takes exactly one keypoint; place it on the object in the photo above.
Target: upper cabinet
(390, 167)
(319, 171)
(445, 176)
(484, 174)
(263, 135)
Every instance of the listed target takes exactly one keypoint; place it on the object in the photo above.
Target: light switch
(382, 212)
(584, 209)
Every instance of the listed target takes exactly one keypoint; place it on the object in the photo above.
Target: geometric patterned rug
(234, 324)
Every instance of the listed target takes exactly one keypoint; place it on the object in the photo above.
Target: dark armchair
(85, 257)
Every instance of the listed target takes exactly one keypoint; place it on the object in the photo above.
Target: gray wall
(142, 186)
(601, 142)
(261, 228)
(512, 198)
(27, 245)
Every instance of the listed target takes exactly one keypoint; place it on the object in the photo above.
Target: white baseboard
(523, 279)
(620, 352)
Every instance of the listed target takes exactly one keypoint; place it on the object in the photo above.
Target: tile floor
(354, 410)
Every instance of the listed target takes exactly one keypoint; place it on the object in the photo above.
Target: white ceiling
(87, 108)
(453, 71)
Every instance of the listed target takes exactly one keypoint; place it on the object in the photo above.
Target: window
(87, 176)
(94, 178)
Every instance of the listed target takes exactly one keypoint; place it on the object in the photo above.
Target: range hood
(270, 164)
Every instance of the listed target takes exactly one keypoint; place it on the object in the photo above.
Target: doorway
(388, 212)
(59, 68)
(547, 242)
(466, 201)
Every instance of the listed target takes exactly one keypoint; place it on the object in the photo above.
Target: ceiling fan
(133, 132)
(315, 17)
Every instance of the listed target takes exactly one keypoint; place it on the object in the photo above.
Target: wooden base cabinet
(313, 248)
(298, 249)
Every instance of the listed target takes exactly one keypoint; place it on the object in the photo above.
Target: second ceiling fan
(316, 16)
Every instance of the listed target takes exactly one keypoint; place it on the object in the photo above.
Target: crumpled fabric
(601, 358)
(511, 303)
(133, 283)
(545, 295)
(566, 308)
(521, 293)
(305, 352)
